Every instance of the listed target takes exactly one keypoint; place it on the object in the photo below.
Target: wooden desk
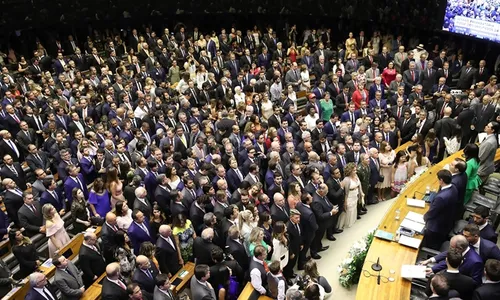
(392, 255)
(94, 291)
(247, 291)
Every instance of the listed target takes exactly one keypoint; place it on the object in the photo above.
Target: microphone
(376, 266)
(415, 194)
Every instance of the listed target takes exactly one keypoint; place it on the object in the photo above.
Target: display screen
(476, 18)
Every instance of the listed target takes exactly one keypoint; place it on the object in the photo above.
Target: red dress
(293, 56)
(388, 76)
(357, 97)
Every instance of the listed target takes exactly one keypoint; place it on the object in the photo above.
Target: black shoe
(361, 213)
(331, 238)
(364, 209)
(338, 230)
(323, 249)
(315, 256)
(358, 217)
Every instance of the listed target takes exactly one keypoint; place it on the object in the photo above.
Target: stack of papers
(415, 202)
(412, 225)
(409, 241)
(412, 271)
(419, 218)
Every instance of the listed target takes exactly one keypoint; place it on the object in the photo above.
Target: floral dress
(185, 236)
(400, 177)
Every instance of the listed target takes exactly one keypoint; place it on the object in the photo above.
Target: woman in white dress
(304, 76)
(175, 180)
(55, 231)
(280, 244)
(353, 194)
(201, 76)
(266, 107)
(339, 66)
(239, 96)
(123, 215)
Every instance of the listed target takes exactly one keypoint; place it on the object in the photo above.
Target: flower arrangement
(351, 267)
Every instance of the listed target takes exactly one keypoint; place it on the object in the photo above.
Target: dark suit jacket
(489, 233)
(488, 250)
(202, 251)
(440, 216)
(278, 215)
(296, 238)
(308, 222)
(167, 256)
(34, 163)
(460, 182)
(138, 235)
(489, 291)
(34, 295)
(408, 130)
(322, 211)
(13, 203)
(111, 291)
(144, 281)
(335, 193)
(465, 79)
(58, 203)
(464, 285)
(445, 128)
(20, 179)
(91, 263)
(472, 264)
(29, 220)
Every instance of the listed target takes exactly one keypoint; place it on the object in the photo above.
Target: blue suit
(488, 250)
(439, 217)
(374, 176)
(345, 117)
(150, 184)
(263, 60)
(88, 169)
(70, 184)
(47, 197)
(460, 182)
(233, 181)
(373, 90)
(269, 177)
(489, 234)
(383, 104)
(472, 264)
(138, 236)
(330, 130)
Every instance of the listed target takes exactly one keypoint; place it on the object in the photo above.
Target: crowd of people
(194, 146)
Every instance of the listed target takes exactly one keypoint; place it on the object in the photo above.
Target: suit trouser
(331, 229)
(288, 269)
(303, 252)
(433, 240)
(316, 242)
(370, 194)
(440, 155)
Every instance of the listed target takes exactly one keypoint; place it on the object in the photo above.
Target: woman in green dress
(327, 107)
(471, 153)
(257, 238)
(184, 236)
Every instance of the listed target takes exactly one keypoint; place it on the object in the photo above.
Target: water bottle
(428, 190)
(398, 212)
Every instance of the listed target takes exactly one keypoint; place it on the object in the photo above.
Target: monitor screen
(476, 18)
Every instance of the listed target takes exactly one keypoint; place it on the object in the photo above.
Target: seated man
(472, 263)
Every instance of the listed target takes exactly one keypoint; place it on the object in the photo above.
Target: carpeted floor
(332, 257)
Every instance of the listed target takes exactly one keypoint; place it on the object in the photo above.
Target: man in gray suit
(487, 151)
(292, 77)
(67, 278)
(37, 188)
(162, 288)
(201, 289)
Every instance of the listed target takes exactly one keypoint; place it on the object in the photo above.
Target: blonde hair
(46, 209)
(244, 217)
(255, 235)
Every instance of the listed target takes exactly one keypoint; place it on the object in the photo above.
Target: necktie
(48, 294)
(387, 137)
(446, 73)
(399, 112)
(352, 118)
(38, 123)
(298, 228)
(33, 209)
(442, 109)
(356, 157)
(144, 228)
(412, 76)
(342, 159)
(11, 144)
(14, 116)
(121, 284)
(14, 171)
(327, 202)
(240, 176)
(54, 194)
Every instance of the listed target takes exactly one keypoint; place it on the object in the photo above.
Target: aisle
(330, 260)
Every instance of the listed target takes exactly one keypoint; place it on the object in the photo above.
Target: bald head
(447, 111)
(459, 242)
(141, 260)
(113, 270)
(165, 230)
(111, 218)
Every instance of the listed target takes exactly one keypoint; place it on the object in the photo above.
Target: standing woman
(353, 194)
(265, 222)
(123, 215)
(115, 186)
(389, 74)
(305, 85)
(386, 157)
(157, 219)
(399, 173)
(327, 107)
(266, 107)
(123, 254)
(294, 194)
(55, 231)
(79, 211)
(25, 252)
(280, 244)
(99, 199)
(184, 236)
(349, 43)
(471, 153)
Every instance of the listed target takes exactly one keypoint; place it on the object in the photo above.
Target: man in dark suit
(460, 283)
(484, 113)
(374, 176)
(459, 180)
(26, 136)
(202, 247)
(30, 216)
(166, 252)
(440, 216)
(490, 290)
(14, 171)
(472, 264)
(445, 127)
(235, 247)
(481, 73)
(13, 199)
(325, 214)
(295, 242)
(428, 78)
(466, 76)
(145, 274)
(108, 237)
(309, 225)
(91, 260)
(335, 195)
(37, 159)
(480, 218)
(113, 286)
(53, 196)
(411, 78)
(423, 124)
(139, 231)
(74, 180)
(407, 125)
(279, 210)
(40, 288)
(6, 279)
(485, 248)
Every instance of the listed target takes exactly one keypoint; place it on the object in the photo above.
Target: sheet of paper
(416, 217)
(412, 271)
(47, 263)
(409, 241)
(481, 137)
(415, 202)
(412, 225)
